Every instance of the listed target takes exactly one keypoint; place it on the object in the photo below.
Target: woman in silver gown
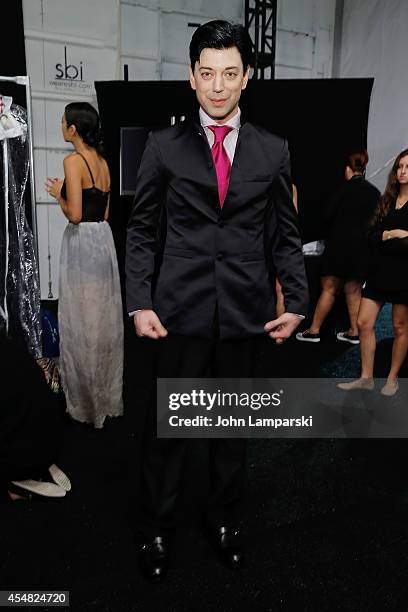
(90, 308)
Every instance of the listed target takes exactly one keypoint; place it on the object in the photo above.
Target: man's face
(218, 80)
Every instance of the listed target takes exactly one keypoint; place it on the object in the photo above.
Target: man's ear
(191, 77)
(246, 77)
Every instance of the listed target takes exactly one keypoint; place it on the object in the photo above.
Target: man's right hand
(148, 325)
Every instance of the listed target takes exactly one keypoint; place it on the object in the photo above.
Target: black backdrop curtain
(323, 120)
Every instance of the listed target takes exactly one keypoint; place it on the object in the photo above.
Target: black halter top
(94, 200)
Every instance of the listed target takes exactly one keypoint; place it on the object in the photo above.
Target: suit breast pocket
(176, 252)
(254, 256)
(256, 178)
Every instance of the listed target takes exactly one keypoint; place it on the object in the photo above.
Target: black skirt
(346, 266)
(383, 296)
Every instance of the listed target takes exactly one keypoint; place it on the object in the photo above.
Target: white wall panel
(140, 31)
(141, 70)
(51, 221)
(54, 110)
(32, 11)
(283, 72)
(47, 123)
(295, 50)
(88, 18)
(323, 54)
(40, 172)
(35, 62)
(232, 9)
(176, 36)
(296, 14)
(38, 108)
(51, 226)
(304, 41)
(327, 13)
(174, 72)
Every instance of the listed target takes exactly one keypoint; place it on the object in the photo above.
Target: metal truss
(261, 22)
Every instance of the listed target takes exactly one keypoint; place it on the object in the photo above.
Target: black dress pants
(163, 458)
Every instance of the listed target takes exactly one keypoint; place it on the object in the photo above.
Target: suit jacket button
(219, 256)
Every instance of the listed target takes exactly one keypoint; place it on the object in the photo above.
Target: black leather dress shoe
(228, 545)
(153, 558)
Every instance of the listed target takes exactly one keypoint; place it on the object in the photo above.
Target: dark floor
(326, 526)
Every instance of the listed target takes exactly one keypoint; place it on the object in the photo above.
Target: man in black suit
(220, 181)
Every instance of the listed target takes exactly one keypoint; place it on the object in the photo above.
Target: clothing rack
(25, 81)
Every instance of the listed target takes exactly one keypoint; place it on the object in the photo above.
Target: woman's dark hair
(390, 195)
(221, 35)
(357, 161)
(88, 125)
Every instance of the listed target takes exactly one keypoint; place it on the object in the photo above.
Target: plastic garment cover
(19, 280)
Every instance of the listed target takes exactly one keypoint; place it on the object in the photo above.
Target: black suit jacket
(214, 256)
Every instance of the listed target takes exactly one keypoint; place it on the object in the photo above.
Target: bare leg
(400, 344)
(367, 317)
(331, 286)
(352, 291)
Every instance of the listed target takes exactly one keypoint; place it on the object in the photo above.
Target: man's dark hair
(221, 35)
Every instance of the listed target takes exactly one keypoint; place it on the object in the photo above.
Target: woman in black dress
(346, 256)
(387, 280)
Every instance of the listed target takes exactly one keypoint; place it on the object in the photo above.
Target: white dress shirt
(230, 140)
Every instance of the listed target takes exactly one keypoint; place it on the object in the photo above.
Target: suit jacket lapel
(199, 154)
(201, 138)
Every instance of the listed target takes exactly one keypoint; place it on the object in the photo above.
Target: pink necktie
(221, 159)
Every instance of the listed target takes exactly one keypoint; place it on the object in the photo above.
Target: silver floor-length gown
(90, 323)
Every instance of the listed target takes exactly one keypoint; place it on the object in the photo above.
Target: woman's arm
(394, 233)
(72, 206)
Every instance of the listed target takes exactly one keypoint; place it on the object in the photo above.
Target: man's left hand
(283, 327)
